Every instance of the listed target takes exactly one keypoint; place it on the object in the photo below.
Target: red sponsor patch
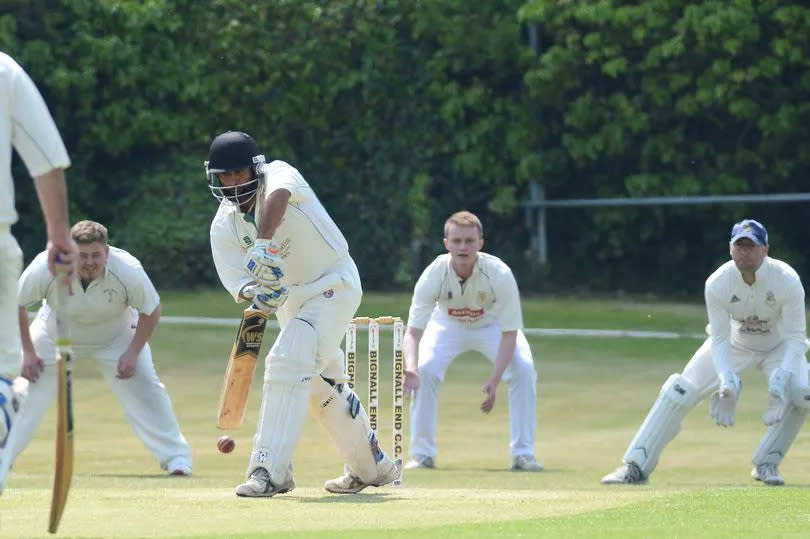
(466, 312)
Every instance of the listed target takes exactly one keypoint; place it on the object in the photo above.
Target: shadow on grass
(360, 497)
(140, 476)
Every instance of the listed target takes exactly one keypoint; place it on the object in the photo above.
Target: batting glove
(265, 264)
(265, 299)
(777, 389)
(723, 403)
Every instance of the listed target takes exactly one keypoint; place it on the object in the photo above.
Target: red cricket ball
(225, 444)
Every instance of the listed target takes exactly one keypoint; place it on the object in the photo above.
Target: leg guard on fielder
(779, 437)
(678, 396)
(284, 402)
(339, 410)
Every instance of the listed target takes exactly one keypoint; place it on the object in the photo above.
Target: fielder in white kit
(756, 313)
(112, 311)
(274, 244)
(468, 300)
(27, 125)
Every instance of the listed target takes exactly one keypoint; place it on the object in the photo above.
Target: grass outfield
(593, 393)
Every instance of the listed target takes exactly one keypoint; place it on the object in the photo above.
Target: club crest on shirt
(111, 293)
(329, 293)
(770, 299)
(734, 299)
(247, 240)
(482, 297)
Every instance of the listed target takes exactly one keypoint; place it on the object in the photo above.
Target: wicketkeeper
(270, 238)
(756, 315)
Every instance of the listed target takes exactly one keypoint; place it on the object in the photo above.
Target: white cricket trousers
(701, 372)
(143, 398)
(11, 259)
(442, 341)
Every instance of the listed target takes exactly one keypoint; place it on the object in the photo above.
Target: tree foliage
(667, 97)
(399, 113)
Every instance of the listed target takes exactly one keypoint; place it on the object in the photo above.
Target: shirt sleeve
(228, 257)
(794, 325)
(507, 302)
(720, 323)
(425, 296)
(34, 133)
(32, 286)
(141, 292)
(281, 175)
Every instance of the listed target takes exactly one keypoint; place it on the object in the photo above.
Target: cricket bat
(241, 366)
(64, 420)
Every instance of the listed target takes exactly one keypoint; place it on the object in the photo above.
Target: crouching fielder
(112, 311)
(756, 313)
(274, 244)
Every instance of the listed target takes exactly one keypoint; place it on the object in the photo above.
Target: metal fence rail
(535, 207)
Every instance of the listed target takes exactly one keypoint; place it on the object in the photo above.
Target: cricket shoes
(626, 474)
(526, 463)
(420, 461)
(768, 473)
(179, 466)
(259, 485)
(12, 397)
(349, 483)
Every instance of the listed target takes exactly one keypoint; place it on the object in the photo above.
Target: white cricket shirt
(756, 317)
(489, 295)
(100, 314)
(26, 124)
(309, 240)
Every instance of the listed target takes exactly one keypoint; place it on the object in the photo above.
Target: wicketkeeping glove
(266, 299)
(265, 264)
(777, 401)
(723, 403)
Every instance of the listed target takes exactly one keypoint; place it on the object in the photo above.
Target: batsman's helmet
(234, 150)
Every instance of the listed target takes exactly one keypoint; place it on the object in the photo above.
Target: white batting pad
(779, 437)
(663, 422)
(284, 402)
(339, 410)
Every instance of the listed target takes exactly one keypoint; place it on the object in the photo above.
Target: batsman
(271, 239)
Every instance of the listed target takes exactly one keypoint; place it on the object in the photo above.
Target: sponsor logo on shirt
(752, 325)
(248, 241)
(734, 299)
(285, 248)
(466, 313)
(329, 293)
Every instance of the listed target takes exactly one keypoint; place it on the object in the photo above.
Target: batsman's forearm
(52, 192)
(506, 350)
(143, 331)
(273, 208)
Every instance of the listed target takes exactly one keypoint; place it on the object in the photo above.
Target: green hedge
(399, 113)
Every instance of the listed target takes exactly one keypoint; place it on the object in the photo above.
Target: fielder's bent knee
(680, 391)
(292, 358)
(800, 397)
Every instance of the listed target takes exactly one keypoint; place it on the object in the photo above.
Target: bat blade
(63, 472)
(241, 366)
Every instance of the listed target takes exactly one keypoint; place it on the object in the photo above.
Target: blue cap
(753, 230)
